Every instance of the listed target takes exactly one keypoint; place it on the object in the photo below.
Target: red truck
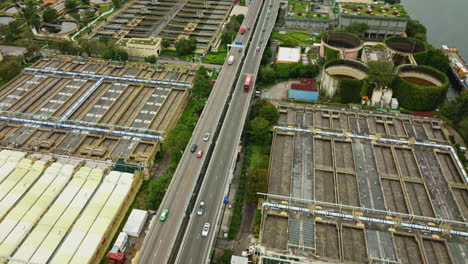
(242, 30)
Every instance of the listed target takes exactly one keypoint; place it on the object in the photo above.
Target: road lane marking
(157, 249)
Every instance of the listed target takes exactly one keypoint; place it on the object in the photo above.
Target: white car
(201, 208)
(206, 136)
(206, 229)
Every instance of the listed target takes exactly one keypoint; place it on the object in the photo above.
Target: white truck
(230, 60)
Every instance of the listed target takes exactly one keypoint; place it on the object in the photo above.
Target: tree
(381, 73)
(259, 130)
(416, 30)
(433, 57)
(269, 112)
(30, 13)
(228, 36)
(70, 4)
(289, 42)
(67, 47)
(258, 182)
(267, 74)
(350, 91)
(151, 59)
(85, 2)
(457, 109)
(50, 15)
(9, 70)
(117, 3)
(185, 46)
(166, 43)
(357, 28)
(91, 46)
(12, 31)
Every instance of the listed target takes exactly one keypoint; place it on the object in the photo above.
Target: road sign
(237, 43)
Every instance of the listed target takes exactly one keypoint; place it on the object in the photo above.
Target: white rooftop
(288, 55)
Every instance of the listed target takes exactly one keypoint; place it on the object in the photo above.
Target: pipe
(363, 218)
(80, 101)
(105, 77)
(69, 126)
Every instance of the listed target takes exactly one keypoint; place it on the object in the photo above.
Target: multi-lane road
(161, 239)
(196, 248)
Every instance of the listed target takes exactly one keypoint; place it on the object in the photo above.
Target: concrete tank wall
(351, 52)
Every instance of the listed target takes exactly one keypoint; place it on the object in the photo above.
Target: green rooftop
(305, 9)
(142, 41)
(374, 10)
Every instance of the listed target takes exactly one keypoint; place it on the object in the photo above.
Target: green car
(164, 214)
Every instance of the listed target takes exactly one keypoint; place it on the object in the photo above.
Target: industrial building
(169, 20)
(56, 209)
(93, 109)
(139, 49)
(384, 20)
(288, 55)
(309, 15)
(363, 187)
(305, 90)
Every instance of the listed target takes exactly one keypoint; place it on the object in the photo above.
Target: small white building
(288, 55)
(140, 48)
(239, 260)
(135, 223)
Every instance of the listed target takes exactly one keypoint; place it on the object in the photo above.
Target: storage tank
(345, 44)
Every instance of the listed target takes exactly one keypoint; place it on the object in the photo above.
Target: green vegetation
(416, 30)
(281, 72)
(216, 57)
(300, 6)
(151, 59)
(143, 41)
(420, 98)
(300, 37)
(456, 111)
(231, 29)
(434, 58)
(313, 15)
(50, 15)
(30, 13)
(350, 91)
(330, 54)
(185, 46)
(257, 222)
(71, 4)
(165, 43)
(8, 70)
(225, 258)
(256, 159)
(380, 73)
(374, 10)
(357, 28)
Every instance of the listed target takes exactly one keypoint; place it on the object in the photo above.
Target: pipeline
(105, 77)
(80, 101)
(363, 218)
(84, 128)
(385, 140)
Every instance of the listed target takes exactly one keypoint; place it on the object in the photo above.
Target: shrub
(331, 54)
(350, 90)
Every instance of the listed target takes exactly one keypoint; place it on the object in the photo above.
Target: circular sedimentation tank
(4, 20)
(335, 70)
(420, 88)
(339, 42)
(81, 12)
(62, 28)
(404, 45)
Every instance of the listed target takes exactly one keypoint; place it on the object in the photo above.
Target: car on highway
(201, 208)
(164, 214)
(200, 153)
(206, 136)
(193, 148)
(258, 48)
(206, 229)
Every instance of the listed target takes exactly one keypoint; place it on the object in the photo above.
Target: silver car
(201, 208)
(206, 136)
